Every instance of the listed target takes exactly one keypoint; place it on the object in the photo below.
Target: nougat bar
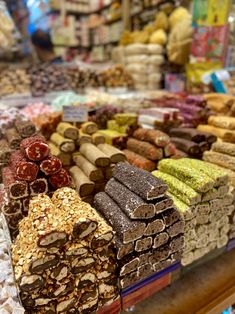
(139, 181)
(160, 239)
(123, 249)
(154, 226)
(224, 148)
(143, 244)
(126, 229)
(133, 206)
(197, 180)
(220, 177)
(220, 159)
(171, 216)
(178, 188)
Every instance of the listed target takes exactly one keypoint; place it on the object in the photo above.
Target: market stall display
(77, 269)
(201, 192)
(149, 230)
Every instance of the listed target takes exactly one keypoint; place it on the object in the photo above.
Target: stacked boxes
(149, 229)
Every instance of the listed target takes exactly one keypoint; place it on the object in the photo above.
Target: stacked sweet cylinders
(148, 228)
(147, 147)
(202, 194)
(63, 257)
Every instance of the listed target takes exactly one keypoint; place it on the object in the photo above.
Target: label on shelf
(75, 114)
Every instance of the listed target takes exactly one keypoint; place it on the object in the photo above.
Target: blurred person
(44, 47)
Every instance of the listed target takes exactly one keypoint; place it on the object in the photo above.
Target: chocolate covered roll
(143, 244)
(176, 228)
(163, 203)
(186, 146)
(126, 229)
(13, 138)
(129, 202)
(123, 249)
(160, 254)
(139, 181)
(16, 189)
(171, 216)
(154, 226)
(25, 128)
(188, 134)
(160, 239)
(38, 186)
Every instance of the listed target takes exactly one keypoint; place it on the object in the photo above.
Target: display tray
(147, 287)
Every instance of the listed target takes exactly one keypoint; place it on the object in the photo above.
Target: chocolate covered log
(50, 165)
(5, 151)
(143, 244)
(35, 148)
(128, 264)
(94, 155)
(176, 229)
(153, 136)
(91, 171)
(139, 161)
(160, 239)
(145, 149)
(89, 128)
(212, 171)
(177, 244)
(67, 130)
(129, 280)
(23, 169)
(187, 134)
(210, 138)
(197, 180)
(113, 153)
(97, 139)
(84, 185)
(60, 179)
(179, 188)
(186, 146)
(220, 159)
(13, 138)
(16, 189)
(65, 158)
(163, 203)
(38, 186)
(160, 254)
(224, 148)
(171, 216)
(126, 230)
(204, 146)
(65, 145)
(133, 206)
(123, 249)
(154, 226)
(139, 181)
(25, 128)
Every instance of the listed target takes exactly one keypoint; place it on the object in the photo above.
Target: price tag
(75, 114)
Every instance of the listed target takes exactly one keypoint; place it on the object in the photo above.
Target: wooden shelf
(207, 289)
